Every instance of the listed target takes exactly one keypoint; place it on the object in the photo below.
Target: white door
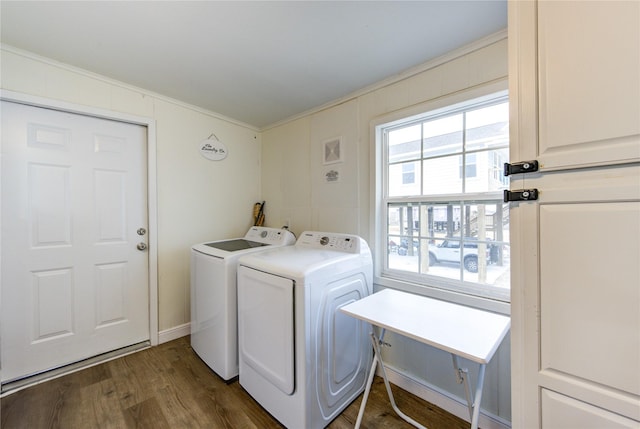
(575, 97)
(74, 283)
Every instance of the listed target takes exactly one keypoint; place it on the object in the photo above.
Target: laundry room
(316, 168)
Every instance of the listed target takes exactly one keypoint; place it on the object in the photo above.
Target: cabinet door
(578, 64)
(575, 99)
(576, 298)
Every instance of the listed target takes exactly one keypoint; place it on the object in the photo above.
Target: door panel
(49, 191)
(110, 208)
(53, 299)
(595, 46)
(563, 412)
(74, 285)
(590, 299)
(111, 293)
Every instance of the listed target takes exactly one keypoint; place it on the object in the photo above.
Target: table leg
(367, 389)
(478, 397)
(403, 416)
(462, 377)
(473, 403)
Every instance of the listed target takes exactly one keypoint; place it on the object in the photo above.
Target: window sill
(431, 291)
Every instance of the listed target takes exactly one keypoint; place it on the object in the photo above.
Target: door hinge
(520, 167)
(521, 195)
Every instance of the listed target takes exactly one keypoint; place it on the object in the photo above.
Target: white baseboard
(174, 333)
(441, 399)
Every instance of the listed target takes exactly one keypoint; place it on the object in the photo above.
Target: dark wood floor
(168, 386)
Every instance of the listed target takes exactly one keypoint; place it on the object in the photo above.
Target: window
(440, 207)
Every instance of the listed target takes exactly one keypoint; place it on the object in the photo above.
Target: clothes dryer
(214, 329)
(300, 358)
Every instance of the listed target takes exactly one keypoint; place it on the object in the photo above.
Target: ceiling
(255, 62)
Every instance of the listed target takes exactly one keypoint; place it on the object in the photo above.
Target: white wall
(198, 199)
(292, 177)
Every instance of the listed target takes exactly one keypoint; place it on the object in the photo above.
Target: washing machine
(214, 328)
(300, 358)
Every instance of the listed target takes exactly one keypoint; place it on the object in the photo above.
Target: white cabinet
(575, 99)
(589, 90)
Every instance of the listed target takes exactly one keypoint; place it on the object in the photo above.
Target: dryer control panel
(262, 234)
(332, 241)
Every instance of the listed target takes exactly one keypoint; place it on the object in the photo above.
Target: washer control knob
(324, 240)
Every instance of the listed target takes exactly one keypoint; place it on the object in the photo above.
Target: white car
(449, 251)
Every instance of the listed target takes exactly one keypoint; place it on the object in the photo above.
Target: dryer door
(265, 326)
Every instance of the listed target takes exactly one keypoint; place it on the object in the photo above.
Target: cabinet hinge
(521, 195)
(520, 167)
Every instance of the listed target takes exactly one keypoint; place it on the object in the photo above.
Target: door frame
(152, 200)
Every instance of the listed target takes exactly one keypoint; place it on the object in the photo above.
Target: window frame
(434, 286)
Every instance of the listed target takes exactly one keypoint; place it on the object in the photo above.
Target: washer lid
(235, 245)
(256, 239)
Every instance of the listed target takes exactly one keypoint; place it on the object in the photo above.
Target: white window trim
(378, 232)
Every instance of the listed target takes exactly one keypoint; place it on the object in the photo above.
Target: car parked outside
(449, 251)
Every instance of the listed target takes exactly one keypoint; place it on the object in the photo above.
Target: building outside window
(441, 209)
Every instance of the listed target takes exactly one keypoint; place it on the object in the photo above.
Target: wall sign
(213, 150)
(332, 175)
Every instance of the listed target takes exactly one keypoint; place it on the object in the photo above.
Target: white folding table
(462, 331)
